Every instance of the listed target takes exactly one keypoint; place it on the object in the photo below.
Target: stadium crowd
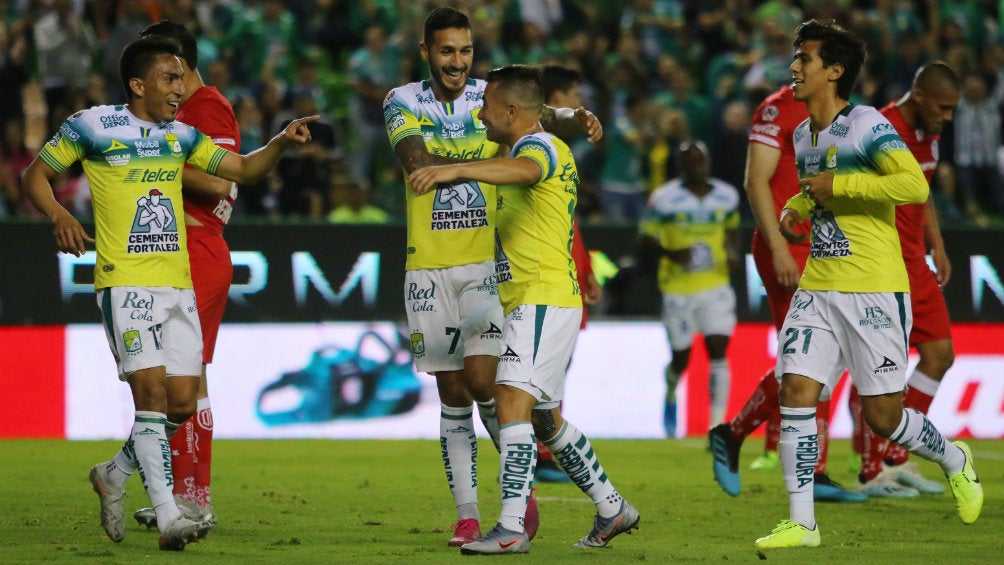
(657, 72)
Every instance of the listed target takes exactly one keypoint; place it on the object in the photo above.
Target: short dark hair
(138, 57)
(837, 45)
(444, 18)
(555, 78)
(523, 81)
(178, 32)
(937, 74)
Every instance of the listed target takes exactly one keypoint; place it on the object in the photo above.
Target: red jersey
(774, 125)
(910, 218)
(209, 111)
(583, 266)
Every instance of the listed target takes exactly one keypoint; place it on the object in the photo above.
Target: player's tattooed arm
(414, 155)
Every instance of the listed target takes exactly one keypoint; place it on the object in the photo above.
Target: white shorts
(537, 346)
(151, 327)
(867, 333)
(453, 313)
(709, 312)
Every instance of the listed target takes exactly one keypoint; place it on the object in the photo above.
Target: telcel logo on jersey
(151, 175)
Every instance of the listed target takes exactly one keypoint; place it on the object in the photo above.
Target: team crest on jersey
(769, 113)
(132, 342)
(459, 206)
(831, 157)
(173, 143)
(154, 225)
(828, 240)
(417, 344)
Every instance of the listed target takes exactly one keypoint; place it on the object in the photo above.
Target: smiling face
(450, 56)
(494, 114)
(158, 94)
(809, 75)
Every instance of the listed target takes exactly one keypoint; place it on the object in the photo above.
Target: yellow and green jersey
(454, 224)
(679, 219)
(855, 246)
(533, 260)
(134, 170)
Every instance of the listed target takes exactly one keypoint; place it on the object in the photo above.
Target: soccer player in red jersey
(208, 203)
(771, 179)
(918, 118)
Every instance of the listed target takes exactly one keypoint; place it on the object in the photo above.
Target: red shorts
(778, 298)
(212, 272)
(930, 313)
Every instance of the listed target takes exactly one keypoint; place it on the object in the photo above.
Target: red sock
(873, 446)
(544, 454)
(203, 424)
(183, 460)
(823, 431)
(919, 401)
(857, 421)
(762, 404)
(772, 432)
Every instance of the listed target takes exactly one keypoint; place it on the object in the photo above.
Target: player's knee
(545, 425)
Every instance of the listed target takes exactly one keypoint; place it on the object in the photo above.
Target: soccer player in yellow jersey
(691, 223)
(133, 156)
(852, 307)
(450, 289)
(538, 286)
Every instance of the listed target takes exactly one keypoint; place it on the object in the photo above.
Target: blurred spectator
(373, 70)
(64, 44)
(263, 41)
(659, 25)
(351, 203)
(127, 22)
(13, 68)
(305, 170)
(977, 141)
(944, 193)
(728, 145)
(671, 130)
(622, 185)
(15, 156)
(771, 71)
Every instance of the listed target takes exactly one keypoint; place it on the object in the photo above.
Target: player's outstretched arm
(572, 122)
(70, 235)
(502, 170)
(250, 168)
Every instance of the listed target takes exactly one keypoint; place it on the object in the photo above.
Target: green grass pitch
(363, 502)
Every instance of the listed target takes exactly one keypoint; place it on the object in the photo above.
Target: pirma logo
(492, 333)
(887, 366)
(509, 356)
